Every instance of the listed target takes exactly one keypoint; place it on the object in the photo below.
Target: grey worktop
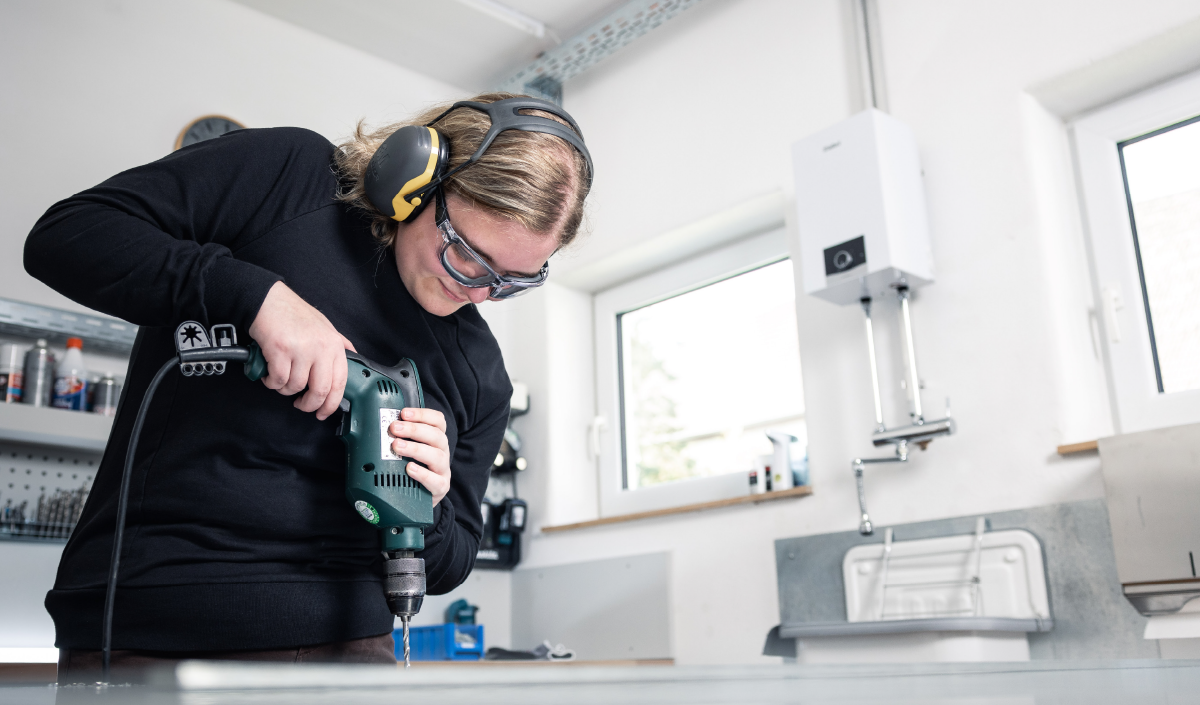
(1092, 682)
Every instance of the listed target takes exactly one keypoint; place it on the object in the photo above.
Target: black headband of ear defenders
(505, 115)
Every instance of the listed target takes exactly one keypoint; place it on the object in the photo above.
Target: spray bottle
(70, 379)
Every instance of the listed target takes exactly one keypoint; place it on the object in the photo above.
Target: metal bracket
(592, 45)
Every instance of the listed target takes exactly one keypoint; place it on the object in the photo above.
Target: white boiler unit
(860, 209)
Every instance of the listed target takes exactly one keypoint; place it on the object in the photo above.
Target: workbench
(205, 683)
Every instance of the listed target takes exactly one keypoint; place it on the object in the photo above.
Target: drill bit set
(54, 517)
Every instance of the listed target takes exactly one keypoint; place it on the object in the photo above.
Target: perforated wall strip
(43, 490)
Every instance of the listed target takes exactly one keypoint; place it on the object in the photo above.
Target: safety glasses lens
(508, 291)
(464, 263)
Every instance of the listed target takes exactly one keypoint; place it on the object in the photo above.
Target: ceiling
(460, 42)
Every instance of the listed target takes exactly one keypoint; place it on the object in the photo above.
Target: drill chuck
(404, 586)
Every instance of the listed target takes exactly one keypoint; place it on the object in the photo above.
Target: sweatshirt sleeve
(453, 541)
(157, 244)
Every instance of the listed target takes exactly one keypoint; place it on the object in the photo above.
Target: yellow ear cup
(400, 205)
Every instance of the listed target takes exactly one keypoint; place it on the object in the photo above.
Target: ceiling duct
(545, 76)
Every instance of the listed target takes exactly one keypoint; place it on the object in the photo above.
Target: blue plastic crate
(442, 642)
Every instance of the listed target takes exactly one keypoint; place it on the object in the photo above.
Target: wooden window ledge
(685, 509)
(1084, 447)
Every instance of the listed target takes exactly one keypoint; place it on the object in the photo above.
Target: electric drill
(376, 482)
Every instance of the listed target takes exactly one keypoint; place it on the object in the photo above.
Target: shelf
(36, 533)
(687, 508)
(100, 334)
(59, 428)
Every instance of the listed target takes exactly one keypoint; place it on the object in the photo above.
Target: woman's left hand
(421, 435)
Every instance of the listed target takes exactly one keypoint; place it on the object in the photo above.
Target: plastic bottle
(70, 379)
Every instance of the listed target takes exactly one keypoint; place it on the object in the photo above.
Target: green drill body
(377, 484)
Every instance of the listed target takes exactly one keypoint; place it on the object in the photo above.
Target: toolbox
(442, 642)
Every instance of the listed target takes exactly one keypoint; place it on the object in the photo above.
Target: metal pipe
(865, 14)
(977, 578)
(887, 559)
(866, 305)
(858, 464)
(864, 526)
(913, 380)
(916, 433)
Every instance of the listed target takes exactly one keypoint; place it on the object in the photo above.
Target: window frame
(689, 275)
(1120, 302)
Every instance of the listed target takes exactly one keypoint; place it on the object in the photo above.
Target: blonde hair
(535, 179)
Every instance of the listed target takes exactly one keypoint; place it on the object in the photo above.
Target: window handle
(594, 428)
(1113, 302)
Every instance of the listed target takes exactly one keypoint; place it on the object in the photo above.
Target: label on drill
(367, 511)
(386, 417)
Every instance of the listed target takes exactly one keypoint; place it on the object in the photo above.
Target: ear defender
(413, 159)
(407, 161)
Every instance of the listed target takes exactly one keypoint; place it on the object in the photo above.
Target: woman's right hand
(302, 349)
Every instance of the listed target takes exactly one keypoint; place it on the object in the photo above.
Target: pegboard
(55, 480)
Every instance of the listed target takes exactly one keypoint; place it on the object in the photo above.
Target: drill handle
(404, 374)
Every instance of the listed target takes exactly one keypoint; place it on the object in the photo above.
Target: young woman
(239, 541)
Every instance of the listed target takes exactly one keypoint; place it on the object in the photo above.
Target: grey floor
(1149, 682)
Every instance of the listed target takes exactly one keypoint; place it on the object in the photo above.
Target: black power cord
(199, 359)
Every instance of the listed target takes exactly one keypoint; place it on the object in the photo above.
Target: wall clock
(204, 128)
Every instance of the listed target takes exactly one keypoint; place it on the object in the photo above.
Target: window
(1162, 185)
(706, 374)
(1138, 170)
(695, 364)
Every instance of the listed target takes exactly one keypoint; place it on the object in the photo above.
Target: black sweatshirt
(239, 533)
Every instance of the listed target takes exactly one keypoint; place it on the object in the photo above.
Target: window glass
(1162, 182)
(706, 374)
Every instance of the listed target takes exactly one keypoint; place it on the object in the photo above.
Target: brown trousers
(86, 666)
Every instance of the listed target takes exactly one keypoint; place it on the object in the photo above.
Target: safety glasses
(470, 269)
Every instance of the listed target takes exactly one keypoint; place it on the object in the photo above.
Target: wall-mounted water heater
(860, 209)
(864, 236)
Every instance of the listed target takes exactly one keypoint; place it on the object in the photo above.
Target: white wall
(91, 88)
(88, 89)
(701, 114)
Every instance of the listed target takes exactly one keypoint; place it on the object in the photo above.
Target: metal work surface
(1144, 682)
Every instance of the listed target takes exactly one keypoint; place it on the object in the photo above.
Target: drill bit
(407, 664)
